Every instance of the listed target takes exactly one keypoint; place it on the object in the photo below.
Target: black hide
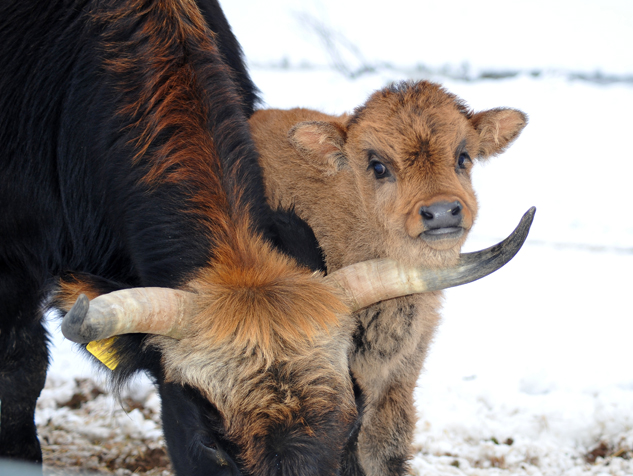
(72, 199)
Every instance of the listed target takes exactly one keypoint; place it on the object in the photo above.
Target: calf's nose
(442, 215)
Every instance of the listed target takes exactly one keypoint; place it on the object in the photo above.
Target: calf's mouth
(443, 238)
(450, 232)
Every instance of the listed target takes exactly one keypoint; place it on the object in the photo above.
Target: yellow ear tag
(102, 350)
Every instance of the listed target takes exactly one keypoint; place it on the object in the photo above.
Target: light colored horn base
(166, 312)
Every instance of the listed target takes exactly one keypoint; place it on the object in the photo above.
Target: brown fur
(319, 165)
(257, 298)
(170, 98)
(71, 287)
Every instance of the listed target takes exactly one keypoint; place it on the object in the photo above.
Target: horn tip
(73, 324)
(526, 222)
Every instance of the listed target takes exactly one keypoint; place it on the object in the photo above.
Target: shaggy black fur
(72, 191)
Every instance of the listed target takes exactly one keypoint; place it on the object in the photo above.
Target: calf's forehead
(405, 125)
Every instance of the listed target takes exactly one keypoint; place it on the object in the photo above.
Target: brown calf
(391, 180)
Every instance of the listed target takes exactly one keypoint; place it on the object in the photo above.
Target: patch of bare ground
(132, 457)
(86, 431)
(605, 451)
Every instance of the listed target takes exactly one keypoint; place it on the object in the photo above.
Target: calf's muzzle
(442, 218)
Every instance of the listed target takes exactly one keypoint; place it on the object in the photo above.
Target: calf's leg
(384, 440)
(390, 345)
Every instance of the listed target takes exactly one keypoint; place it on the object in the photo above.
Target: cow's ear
(322, 142)
(497, 129)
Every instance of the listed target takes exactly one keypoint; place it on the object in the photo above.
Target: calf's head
(393, 178)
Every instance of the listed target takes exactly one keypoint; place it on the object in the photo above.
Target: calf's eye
(380, 171)
(462, 160)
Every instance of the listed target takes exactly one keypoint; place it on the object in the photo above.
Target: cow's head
(250, 362)
(407, 155)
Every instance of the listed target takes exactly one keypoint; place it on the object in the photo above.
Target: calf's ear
(322, 142)
(497, 129)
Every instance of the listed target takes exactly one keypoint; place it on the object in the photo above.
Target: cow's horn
(159, 311)
(165, 311)
(369, 282)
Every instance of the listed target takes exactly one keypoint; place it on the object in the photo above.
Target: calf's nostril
(426, 214)
(457, 209)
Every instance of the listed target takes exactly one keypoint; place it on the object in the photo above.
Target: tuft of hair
(422, 94)
(71, 285)
(254, 297)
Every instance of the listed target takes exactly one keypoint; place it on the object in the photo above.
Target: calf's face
(407, 154)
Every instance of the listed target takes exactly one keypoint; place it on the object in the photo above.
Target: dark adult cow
(126, 161)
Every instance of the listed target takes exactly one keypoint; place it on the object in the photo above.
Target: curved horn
(164, 311)
(159, 311)
(369, 282)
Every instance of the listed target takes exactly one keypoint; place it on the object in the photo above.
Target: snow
(531, 368)
(525, 34)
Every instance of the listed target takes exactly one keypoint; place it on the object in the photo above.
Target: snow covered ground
(531, 372)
